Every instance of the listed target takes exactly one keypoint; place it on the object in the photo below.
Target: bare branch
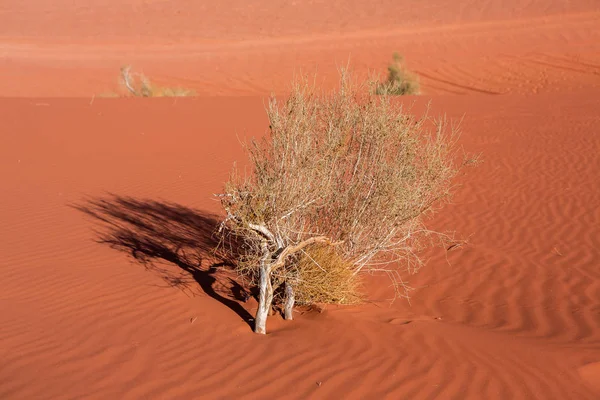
(126, 75)
(263, 230)
(290, 250)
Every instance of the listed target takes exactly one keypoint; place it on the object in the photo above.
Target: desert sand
(514, 314)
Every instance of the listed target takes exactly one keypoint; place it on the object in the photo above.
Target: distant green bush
(400, 81)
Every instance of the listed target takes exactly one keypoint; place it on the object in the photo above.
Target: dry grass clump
(341, 185)
(400, 81)
(322, 275)
(138, 85)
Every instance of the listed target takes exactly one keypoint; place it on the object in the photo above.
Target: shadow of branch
(152, 231)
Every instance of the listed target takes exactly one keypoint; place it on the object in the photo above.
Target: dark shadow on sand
(152, 231)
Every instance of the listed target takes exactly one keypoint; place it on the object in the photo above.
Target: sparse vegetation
(400, 81)
(340, 186)
(137, 84)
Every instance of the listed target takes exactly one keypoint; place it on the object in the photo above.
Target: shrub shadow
(152, 232)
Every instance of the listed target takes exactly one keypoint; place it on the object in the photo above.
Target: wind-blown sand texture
(515, 314)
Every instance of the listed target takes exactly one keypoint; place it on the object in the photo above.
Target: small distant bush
(138, 85)
(400, 81)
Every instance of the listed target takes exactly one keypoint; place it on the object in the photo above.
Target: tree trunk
(265, 298)
(268, 265)
(289, 301)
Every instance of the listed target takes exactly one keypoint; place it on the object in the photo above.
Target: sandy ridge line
(55, 50)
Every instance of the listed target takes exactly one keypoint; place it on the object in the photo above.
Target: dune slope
(514, 314)
(252, 48)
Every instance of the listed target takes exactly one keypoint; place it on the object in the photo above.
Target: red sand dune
(513, 315)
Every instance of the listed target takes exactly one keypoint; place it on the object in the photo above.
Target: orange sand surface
(515, 314)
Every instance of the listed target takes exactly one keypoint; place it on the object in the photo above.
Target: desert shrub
(400, 81)
(137, 84)
(339, 186)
